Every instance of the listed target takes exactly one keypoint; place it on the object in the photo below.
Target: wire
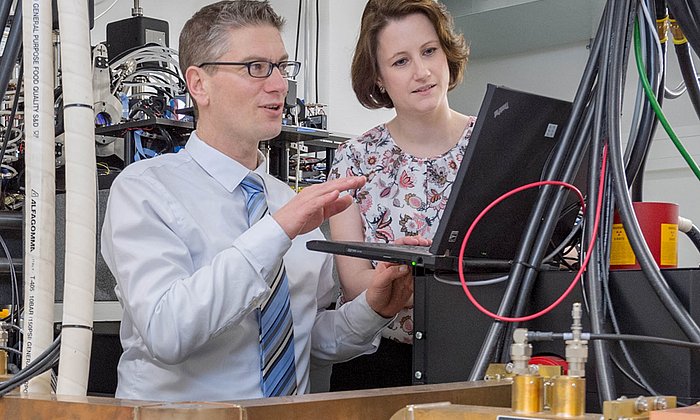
(45, 361)
(296, 46)
(11, 350)
(657, 108)
(493, 204)
(473, 283)
(675, 93)
(106, 10)
(549, 336)
(694, 235)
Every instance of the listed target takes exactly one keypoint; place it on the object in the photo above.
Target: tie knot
(252, 184)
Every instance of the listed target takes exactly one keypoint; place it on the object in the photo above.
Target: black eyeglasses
(261, 69)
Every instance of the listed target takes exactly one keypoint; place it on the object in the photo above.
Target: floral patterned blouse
(404, 195)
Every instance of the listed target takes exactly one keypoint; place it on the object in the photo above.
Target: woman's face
(412, 65)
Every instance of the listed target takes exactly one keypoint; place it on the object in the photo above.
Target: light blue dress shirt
(190, 274)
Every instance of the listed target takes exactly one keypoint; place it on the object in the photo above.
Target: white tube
(40, 188)
(81, 198)
(308, 54)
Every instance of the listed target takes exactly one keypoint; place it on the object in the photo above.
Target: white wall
(553, 72)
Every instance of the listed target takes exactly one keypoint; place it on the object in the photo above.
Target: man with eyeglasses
(221, 300)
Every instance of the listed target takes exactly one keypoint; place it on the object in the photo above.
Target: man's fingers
(340, 184)
(337, 206)
(388, 273)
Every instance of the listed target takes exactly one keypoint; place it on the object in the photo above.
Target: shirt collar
(226, 171)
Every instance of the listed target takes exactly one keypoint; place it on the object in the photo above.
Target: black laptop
(512, 140)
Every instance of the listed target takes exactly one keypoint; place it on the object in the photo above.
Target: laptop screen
(512, 140)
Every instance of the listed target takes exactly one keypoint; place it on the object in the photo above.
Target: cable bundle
(593, 126)
(146, 71)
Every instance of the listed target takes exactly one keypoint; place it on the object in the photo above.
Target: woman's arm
(355, 273)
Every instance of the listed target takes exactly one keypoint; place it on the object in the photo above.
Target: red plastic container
(659, 224)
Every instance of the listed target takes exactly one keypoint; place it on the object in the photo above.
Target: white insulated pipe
(308, 53)
(81, 198)
(40, 188)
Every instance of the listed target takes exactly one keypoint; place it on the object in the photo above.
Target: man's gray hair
(205, 36)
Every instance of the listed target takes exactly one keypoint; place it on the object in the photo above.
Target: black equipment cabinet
(449, 330)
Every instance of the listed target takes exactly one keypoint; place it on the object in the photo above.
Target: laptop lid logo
(500, 110)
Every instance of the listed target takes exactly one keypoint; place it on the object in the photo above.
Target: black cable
(685, 63)
(615, 27)
(629, 376)
(694, 235)
(551, 336)
(496, 330)
(296, 47)
(11, 350)
(13, 44)
(630, 223)
(648, 123)
(623, 346)
(41, 364)
(685, 18)
(4, 13)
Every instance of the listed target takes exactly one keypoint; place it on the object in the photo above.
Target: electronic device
(514, 135)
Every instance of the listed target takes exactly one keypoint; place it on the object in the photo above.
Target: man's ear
(197, 84)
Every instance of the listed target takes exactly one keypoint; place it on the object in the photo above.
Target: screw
(418, 374)
(641, 405)
(419, 335)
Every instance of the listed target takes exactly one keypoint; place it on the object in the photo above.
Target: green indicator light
(413, 263)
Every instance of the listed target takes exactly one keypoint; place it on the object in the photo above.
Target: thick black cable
(685, 63)
(684, 16)
(11, 51)
(496, 329)
(649, 122)
(630, 223)
(296, 46)
(41, 364)
(631, 377)
(581, 139)
(615, 27)
(623, 346)
(694, 235)
(4, 13)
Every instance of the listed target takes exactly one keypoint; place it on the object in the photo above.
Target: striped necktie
(277, 369)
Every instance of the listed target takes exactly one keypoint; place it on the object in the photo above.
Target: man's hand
(316, 203)
(391, 289)
(413, 240)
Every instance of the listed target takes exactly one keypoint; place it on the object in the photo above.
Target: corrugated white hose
(40, 188)
(81, 197)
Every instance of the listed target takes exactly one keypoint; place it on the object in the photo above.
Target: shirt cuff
(362, 318)
(263, 245)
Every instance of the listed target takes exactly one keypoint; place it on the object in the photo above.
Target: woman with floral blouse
(407, 57)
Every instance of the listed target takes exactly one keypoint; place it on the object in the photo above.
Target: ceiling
(506, 27)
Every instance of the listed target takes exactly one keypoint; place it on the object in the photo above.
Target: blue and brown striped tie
(277, 368)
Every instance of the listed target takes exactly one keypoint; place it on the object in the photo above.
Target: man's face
(243, 107)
